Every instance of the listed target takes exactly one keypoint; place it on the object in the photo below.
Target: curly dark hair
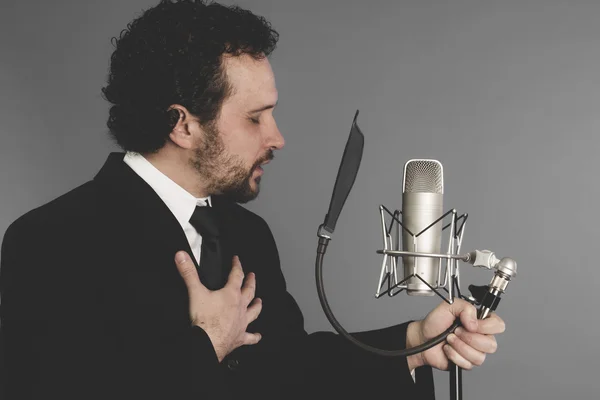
(172, 54)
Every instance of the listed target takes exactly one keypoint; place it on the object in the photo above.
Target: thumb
(188, 272)
(467, 314)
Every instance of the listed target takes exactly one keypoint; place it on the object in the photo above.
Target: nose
(275, 139)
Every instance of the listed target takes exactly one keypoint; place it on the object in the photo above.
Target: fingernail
(451, 338)
(180, 257)
(459, 331)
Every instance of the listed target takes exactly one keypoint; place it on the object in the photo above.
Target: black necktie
(210, 271)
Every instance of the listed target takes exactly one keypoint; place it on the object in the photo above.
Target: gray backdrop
(505, 94)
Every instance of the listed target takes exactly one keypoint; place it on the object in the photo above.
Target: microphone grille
(423, 176)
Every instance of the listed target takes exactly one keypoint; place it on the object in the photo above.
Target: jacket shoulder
(249, 220)
(75, 205)
(246, 214)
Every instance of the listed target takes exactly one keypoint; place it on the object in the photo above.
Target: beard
(225, 174)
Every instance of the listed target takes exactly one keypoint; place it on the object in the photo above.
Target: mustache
(269, 155)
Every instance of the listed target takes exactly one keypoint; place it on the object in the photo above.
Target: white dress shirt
(181, 202)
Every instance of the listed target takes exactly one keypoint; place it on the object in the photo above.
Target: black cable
(321, 249)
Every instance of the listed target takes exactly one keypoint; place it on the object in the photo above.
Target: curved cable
(322, 248)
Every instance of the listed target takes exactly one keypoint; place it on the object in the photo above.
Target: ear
(186, 128)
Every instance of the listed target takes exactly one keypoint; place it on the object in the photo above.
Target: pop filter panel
(346, 175)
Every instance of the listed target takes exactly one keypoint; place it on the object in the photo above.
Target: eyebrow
(263, 108)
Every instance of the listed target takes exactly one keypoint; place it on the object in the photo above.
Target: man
(150, 281)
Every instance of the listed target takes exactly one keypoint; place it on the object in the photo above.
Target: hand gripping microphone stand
(486, 297)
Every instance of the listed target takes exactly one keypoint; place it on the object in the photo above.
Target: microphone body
(422, 205)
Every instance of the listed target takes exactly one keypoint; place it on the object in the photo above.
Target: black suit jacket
(93, 307)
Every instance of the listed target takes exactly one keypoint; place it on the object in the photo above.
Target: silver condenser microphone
(422, 205)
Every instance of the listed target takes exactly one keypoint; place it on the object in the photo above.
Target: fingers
(467, 314)
(492, 325)
(249, 288)
(188, 272)
(456, 358)
(236, 276)
(483, 343)
(251, 338)
(254, 310)
(465, 354)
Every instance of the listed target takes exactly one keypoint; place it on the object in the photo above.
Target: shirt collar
(181, 202)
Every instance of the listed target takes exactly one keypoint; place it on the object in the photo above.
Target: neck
(175, 164)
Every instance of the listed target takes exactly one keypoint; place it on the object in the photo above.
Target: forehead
(252, 80)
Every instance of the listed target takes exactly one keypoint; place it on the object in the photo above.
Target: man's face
(230, 153)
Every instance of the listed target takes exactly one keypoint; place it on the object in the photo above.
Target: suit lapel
(138, 206)
(133, 202)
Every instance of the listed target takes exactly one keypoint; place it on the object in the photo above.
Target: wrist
(413, 339)
(220, 354)
(220, 351)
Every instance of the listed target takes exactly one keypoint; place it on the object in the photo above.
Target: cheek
(241, 139)
(243, 147)
(247, 142)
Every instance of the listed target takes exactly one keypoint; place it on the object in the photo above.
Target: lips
(259, 166)
(266, 160)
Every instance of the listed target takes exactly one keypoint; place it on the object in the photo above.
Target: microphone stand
(455, 370)
(455, 382)
(487, 297)
(452, 271)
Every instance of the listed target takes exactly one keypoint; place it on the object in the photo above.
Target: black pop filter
(346, 175)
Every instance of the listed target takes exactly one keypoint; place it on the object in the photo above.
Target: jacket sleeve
(338, 363)
(56, 346)
(333, 367)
